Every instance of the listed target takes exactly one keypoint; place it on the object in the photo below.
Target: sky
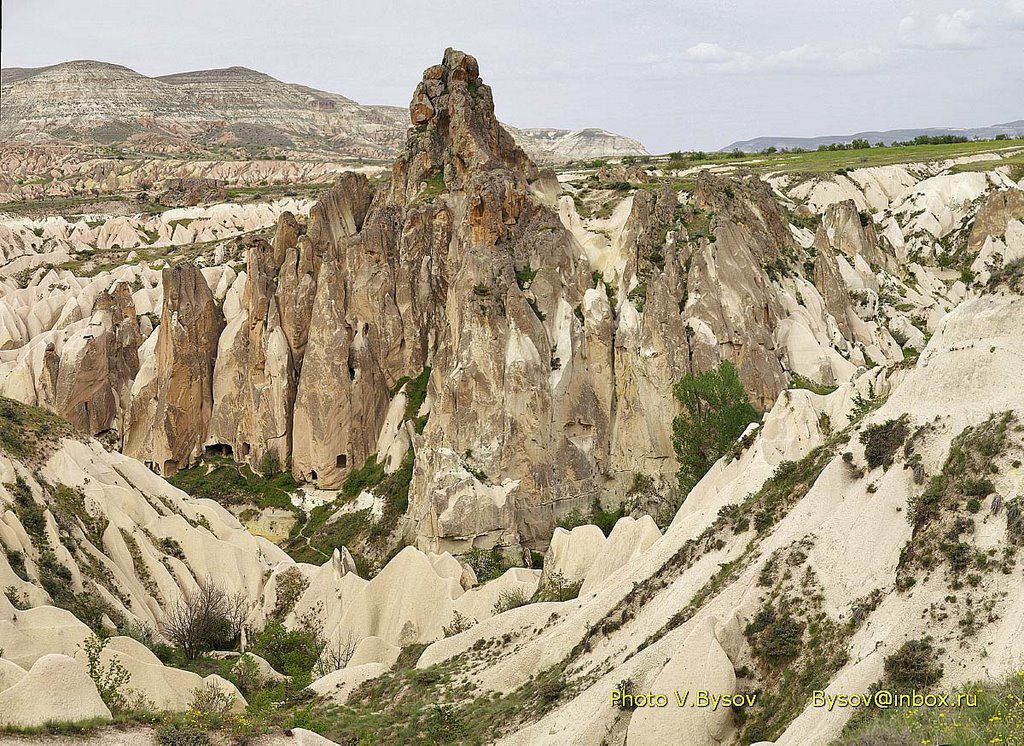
(683, 75)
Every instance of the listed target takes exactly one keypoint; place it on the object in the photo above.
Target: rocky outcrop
(255, 375)
(341, 396)
(852, 232)
(732, 308)
(449, 323)
(191, 191)
(996, 212)
(88, 102)
(172, 397)
(97, 365)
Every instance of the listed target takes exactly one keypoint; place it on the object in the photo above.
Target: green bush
(365, 477)
(913, 666)
(29, 512)
(270, 465)
(181, 734)
(716, 411)
(512, 598)
(460, 623)
(488, 564)
(977, 487)
(416, 393)
(557, 587)
(882, 441)
(289, 587)
(573, 519)
(112, 679)
(16, 560)
(775, 635)
(627, 687)
(525, 276)
(293, 652)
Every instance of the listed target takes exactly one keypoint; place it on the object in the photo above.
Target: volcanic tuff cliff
(96, 102)
(542, 395)
(459, 324)
(506, 356)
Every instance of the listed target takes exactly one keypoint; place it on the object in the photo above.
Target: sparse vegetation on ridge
(795, 644)
(942, 514)
(27, 432)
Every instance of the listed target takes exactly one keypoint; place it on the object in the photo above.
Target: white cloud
(957, 30)
(1015, 13)
(805, 59)
(707, 52)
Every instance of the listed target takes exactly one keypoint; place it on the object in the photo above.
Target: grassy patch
(416, 393)
(978, 714)
(800, 382)
(435, 705)
(228, 483)
(315, 539)
(434, 187)
(365, 477)
(30, 433)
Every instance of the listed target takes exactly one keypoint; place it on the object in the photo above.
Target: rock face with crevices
(172, 398)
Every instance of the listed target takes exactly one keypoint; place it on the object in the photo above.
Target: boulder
(338, 685)
(56, 689)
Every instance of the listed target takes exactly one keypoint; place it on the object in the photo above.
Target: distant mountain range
(90, 102)
(1011, 129)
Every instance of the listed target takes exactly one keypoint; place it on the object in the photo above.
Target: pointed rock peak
(454, 133)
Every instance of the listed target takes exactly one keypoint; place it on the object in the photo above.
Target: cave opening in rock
(222, 450)
(342, 461)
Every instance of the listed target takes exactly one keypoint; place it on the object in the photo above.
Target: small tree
(460, 623)
(914, 666)
(205, 618)
(557, 587)
(716, 411)
(112, 679)
(511, 598)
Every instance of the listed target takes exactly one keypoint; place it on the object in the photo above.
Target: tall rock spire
(454, 132)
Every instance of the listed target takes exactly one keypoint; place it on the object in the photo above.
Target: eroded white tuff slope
(651, 606)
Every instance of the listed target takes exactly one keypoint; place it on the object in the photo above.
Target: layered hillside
(230, 111)
(448, 396)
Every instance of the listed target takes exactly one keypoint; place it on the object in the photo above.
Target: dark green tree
(716, 411)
